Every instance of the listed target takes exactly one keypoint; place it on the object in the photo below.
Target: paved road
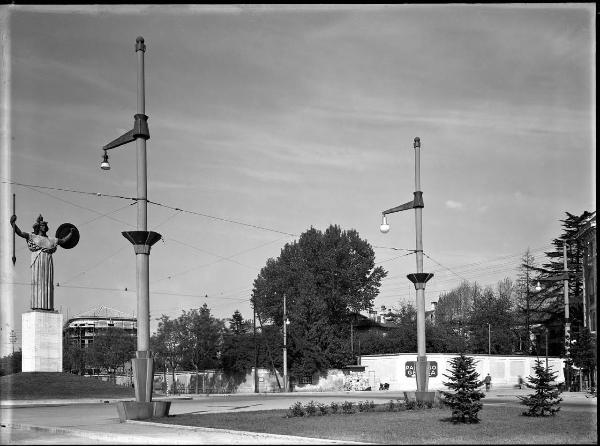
(95, 422)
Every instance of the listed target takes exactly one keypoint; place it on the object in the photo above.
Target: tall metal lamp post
(419, 279)
(142, 239)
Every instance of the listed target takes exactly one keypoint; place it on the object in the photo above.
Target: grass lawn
(499, 425)
(44, 385)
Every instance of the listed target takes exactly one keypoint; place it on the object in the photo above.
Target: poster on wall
(410, 367)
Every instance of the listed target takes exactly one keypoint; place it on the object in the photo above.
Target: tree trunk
(196, 379)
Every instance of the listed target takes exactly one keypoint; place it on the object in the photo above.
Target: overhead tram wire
(98, 194)
(478, 265)
(120, 290)
(34, 187)
(113, 254)
(170, 276)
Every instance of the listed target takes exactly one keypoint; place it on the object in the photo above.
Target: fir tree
(465, 398)
(544, 402)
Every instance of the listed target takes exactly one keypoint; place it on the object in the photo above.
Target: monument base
(42, 347)
(133, 410)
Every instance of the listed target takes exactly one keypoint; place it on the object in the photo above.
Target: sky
(268, 120)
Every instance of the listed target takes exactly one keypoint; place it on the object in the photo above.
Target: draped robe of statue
(42, 271)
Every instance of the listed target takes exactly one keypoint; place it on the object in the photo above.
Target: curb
(101, 436)
(60, 402)
(252, 435)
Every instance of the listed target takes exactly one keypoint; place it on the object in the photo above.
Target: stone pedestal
(42, 341)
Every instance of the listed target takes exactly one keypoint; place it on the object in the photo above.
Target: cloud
(453, 204)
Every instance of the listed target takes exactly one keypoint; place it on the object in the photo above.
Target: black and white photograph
(298, 223)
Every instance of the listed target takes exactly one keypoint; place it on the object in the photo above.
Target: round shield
(63, 230)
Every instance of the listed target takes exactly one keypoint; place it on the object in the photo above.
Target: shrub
(296, 410)
(544, 402)
(465, 400)
(371, 405)
(347, 407)
(322, 408)
(334, 407)
(363, 406)
(391, 406)
(418, 405)
(310, 408)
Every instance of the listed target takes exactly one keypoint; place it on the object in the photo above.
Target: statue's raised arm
(20, 233)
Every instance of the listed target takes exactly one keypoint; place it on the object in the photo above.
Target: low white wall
(504, 370)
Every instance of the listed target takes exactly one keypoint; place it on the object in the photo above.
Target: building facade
(81, 329)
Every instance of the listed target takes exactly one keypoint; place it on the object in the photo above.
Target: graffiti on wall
(356, 381)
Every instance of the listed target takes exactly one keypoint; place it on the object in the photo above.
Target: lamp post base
(143, 376)
(422, 373)
(134, 410)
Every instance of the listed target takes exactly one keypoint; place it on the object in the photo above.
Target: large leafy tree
(201, 336)
(238, 347)
(74, 357)
(325, 276)
(166, 343)
(453, 312)
(491, 324)
(113, 348)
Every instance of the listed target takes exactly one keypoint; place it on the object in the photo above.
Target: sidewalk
(99, 420)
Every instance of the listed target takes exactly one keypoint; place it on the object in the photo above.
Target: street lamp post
(419, 279)
(142, 239)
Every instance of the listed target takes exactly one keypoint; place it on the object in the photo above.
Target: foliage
(310, 408)
(237, 356)
(583, 350)
(296, 410)
(365, 406)
(391, 406)
(465, 398)
(335, 407)
(200, 336)
(111, 349)
(325, 276)
(322, 408)
(74, 357)
(417, 405)
(10, 364)
(545, 401)
(491, 323)
(553, 291)
(347, 407)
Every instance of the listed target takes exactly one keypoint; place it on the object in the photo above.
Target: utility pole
(13, 340)
(285, 322)
(255, 353)
(567, 320)
(546, 348)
